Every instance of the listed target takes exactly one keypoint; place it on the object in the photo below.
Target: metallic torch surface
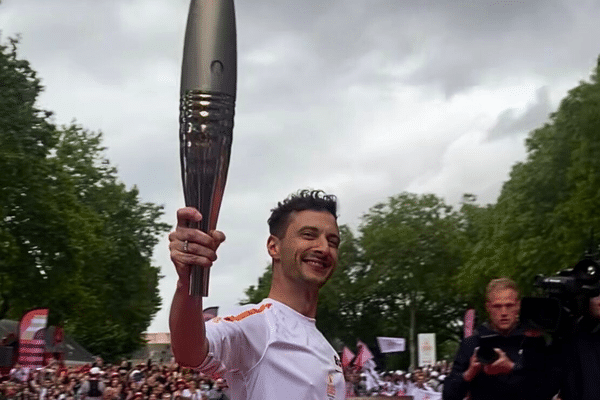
(208, 90)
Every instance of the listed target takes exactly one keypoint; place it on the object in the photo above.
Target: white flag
(390, 344)
(427, 354)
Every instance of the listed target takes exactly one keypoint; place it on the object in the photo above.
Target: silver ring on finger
(185, 246)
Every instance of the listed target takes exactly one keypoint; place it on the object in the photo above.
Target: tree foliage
(72, 237)
(412, 247)
(541, 223)
(255, 294)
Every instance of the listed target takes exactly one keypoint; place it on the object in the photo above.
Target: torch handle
(206, 129)
(199, 276)
(199, 282)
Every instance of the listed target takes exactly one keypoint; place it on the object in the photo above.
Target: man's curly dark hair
(315, 200)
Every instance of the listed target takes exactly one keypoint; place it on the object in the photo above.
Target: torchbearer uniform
(270, 351)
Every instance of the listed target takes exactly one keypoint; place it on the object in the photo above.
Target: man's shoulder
(242, 313)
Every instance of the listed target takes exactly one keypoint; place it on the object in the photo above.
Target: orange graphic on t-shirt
(248, 313)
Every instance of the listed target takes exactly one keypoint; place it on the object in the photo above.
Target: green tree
(544, 214)
(412, 246)
(255, 294)
(72, 237)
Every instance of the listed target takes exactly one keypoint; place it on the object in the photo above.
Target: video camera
(567, 298)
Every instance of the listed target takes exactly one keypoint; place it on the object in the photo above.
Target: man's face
(308, 252)
(503, 307)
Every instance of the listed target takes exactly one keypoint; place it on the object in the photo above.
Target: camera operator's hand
(503, 365)
(474, 368)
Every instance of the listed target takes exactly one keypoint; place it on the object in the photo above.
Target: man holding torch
(271, 350)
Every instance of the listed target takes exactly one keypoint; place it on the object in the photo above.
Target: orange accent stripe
(248, 313)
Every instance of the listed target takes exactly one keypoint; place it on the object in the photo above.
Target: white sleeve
(237, 343)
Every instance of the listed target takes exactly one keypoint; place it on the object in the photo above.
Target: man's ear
(273, 243)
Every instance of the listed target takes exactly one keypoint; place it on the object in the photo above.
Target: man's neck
(501, 332)
(301, 300)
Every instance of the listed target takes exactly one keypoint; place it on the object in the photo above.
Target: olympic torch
(208, 90)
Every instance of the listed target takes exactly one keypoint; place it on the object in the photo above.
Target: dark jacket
(580, 364)
(529, 379)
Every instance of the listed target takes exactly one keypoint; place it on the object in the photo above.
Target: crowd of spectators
(370, 382)
(147, 381)
(101, 381)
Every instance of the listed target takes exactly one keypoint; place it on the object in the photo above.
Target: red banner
(32, 338)
(364, 355)
(347, 357)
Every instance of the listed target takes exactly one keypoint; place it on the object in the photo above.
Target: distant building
(157, 349)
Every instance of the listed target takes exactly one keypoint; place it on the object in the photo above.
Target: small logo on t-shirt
(330, 386)
(337, 360)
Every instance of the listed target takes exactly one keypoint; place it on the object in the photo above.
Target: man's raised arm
(190, 248)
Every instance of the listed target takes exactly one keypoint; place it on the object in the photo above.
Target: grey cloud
(513, 122)
(469, 42)
(93, 36)
(461, 44)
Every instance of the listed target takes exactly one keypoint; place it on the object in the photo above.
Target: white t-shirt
(271, 352)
